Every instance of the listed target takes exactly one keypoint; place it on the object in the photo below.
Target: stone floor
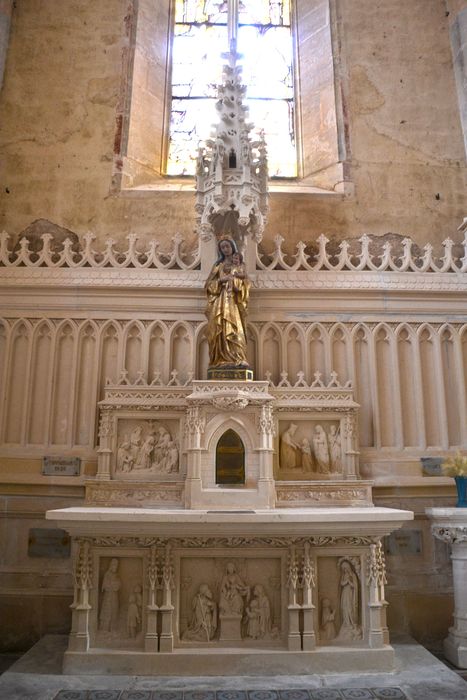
(418, 676)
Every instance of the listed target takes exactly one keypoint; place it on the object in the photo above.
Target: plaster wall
(405, 151)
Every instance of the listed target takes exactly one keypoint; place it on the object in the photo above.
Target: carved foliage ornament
(452, 535)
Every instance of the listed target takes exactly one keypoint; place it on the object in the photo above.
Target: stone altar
(168, 565)
(181, 567)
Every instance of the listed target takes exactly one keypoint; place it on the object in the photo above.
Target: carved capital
(451, 534)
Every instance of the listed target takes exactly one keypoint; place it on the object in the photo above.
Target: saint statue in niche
(111, 584)
(348, 583)
(227, 290)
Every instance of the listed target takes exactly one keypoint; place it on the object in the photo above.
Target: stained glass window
(265, 41)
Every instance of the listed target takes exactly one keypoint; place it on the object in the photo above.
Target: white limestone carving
(450, 526)
(327, 630)
(82, 575)
(321, 450)
(152, 258)
(203, 624)
(110, 604)
(134, 614)
(231, 172)
(86, 256)
(308, 450)
(233, 592)
(258, 614)
(344, 261)
(147, 448)
(350, 628)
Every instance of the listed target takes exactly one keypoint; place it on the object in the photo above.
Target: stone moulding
(112, 493)
(309, 494)
(273, 280)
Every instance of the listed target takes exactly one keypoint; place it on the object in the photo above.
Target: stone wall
(405, 153)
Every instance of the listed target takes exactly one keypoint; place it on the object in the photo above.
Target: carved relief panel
(231, 600)
(309, 449)
(341, 599)
(147, 450)
(118, 609)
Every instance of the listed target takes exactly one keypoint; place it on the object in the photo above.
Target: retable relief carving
(311, 450)
(147, 448)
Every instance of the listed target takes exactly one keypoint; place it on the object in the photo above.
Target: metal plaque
(61, 466)
(404, 542)
(431, 466)
(49, 543)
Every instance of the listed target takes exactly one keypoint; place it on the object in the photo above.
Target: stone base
(230, 628)
(456, 651)
(230, 374)
(229, 662)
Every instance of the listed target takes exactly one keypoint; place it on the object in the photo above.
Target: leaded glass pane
(276, 12)
(265, 41)
(201, 11)
(191, 122)
(197, 68)
(267, 61)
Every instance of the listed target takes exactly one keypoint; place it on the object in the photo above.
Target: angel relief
(150, 452)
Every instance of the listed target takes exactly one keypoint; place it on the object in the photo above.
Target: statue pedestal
(230, 630)
(450, 525)
(233, 374)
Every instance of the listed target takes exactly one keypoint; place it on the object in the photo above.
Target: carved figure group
(249, 606)
(321, 453)
(156, 452)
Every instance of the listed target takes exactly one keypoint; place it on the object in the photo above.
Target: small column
(151, 639)
(194, 428)
(104, 451)
(79, 635)
(294, 637)
(167, 609)
(376, 579)
(308, 584)
(351, 441)
(266, 430)
(450, 525)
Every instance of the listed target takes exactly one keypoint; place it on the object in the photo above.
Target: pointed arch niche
(230, 459)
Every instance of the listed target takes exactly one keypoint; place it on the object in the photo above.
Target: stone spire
(232, 170)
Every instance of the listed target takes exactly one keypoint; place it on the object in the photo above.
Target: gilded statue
(227, 290)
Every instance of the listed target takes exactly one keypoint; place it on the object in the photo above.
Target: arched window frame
(143, 113)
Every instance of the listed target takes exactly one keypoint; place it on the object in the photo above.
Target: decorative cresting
(84, 255)
(182, 257)
(232, 171)
(324, 259)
